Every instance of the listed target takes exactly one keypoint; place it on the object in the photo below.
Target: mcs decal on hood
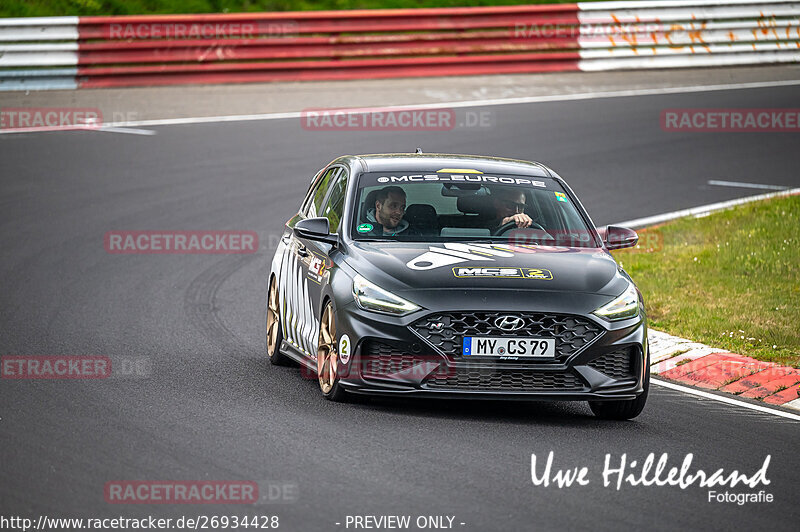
(504, 272)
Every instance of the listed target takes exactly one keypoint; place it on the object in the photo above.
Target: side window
(315, 209)
(550, 218)
(334, 205)
(310, 193)
(534, 208)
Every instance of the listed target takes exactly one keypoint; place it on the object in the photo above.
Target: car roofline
(365, 159)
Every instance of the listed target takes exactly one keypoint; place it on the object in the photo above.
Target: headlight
(625, 306)
(371, 297)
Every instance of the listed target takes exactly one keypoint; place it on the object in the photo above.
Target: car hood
(407, 266)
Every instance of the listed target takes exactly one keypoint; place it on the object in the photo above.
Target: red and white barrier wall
(87, 52)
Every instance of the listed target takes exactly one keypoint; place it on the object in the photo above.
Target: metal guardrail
(85, 52)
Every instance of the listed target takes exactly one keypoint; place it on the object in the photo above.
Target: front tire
(622, 410)
(274, 331)
(328, 357)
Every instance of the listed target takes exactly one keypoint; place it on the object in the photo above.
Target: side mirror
(318, 229)
(620, 237)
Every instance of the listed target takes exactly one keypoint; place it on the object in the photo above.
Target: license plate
(509, 347)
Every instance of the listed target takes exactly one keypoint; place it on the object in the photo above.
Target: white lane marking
(463, 104)
(107, 129)
(703, 209)
(723, 399)
(128, 130)
(744, 185)
(478, 103)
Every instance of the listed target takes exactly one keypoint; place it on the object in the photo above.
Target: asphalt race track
(214, 409)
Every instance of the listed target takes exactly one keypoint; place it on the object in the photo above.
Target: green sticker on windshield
(364, 228)
(560, 196)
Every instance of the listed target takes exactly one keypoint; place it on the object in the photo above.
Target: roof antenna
(418, 150)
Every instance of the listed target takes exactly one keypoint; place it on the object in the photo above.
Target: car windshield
(444, 206)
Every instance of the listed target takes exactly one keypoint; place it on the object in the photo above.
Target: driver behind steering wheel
(509, 206)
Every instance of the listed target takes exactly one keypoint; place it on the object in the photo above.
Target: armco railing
(86, 52)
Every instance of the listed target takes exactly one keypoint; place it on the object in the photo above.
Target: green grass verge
(42, 8)
(730, 280)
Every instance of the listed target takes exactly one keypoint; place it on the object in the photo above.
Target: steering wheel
(513, 224)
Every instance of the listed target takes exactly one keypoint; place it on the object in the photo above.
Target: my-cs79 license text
(503, 347)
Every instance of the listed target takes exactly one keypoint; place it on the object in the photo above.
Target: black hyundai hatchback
(456, 276)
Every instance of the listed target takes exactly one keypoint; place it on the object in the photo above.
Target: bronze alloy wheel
(274, 333)
(327, 356)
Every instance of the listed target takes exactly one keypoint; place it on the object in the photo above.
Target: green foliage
(730, 280)
(41, 8)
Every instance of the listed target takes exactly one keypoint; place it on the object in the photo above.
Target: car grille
(505, 379)
(445, 330)
(618, 364)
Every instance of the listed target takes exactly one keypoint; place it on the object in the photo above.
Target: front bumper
(391, 357)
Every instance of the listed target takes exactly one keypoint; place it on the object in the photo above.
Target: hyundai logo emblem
(509, 323)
